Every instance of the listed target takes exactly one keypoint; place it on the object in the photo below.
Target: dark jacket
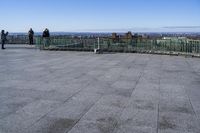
(46, 33)
(30, 33)
(3, 36)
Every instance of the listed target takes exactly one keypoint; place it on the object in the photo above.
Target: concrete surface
(81, 92)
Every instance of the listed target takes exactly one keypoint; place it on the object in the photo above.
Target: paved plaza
(83, 92)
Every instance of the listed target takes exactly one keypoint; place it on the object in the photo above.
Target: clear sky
(100, 15)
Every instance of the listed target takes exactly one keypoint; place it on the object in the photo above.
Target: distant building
(115, 37)
(129, 35)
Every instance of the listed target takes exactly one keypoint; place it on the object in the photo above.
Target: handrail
(124, 45)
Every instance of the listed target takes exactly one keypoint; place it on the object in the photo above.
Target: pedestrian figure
(46, 36)
(3, 38)
(30, 35)
(46, 33)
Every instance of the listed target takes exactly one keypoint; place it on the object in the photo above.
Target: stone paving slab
(83, 92)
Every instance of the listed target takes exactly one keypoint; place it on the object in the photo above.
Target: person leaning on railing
(46, 36)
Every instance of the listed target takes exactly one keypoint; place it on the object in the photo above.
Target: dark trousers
(46, 41)
(30, 40)
(2, 44)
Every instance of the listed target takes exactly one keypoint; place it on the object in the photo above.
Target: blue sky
(100, 15)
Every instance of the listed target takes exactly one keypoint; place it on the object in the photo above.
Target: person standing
(3, 38)
(46, 33)
(30, 35)
(46, 36)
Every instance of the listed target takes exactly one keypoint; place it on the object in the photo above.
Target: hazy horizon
(138, 30)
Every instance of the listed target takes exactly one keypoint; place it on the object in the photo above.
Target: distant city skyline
(101, 15)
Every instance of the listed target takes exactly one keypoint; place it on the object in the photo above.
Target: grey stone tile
(26, 116)
(135, 129)
(106, 125)
(52, 125)
(62, 91)
(178, 122)
(124, 84)
(178, 105)
(65, 117)
(133, 117)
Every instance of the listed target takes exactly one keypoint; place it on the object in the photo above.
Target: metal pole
(98, 44)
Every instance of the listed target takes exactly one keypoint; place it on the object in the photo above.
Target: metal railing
(17, 39)
(122, 45)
